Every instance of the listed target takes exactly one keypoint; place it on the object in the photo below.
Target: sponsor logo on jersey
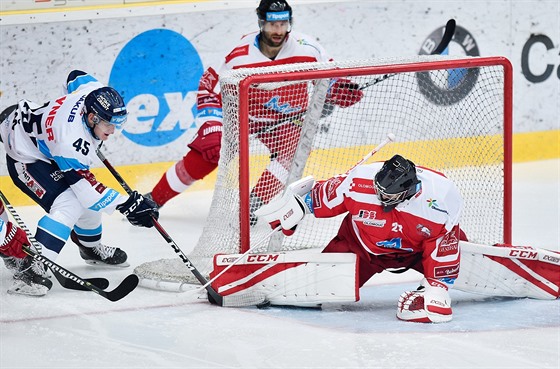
(57, 175)
(75, 108)
(446, 271)
(368, 218)
(285, 108)
(238, 51)
(157, 73)
(31, 184)
(449, 245)
(393, 243)
(332, 185)
(432, 204)
(50, 118)
(106, 200)
(362, 185)
(458, 82)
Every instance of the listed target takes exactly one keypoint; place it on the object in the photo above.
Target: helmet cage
(389, 198)
(396, 181)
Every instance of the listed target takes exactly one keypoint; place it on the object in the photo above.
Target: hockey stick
(256, 246)
(66, 278)
(390, 138)
(213, 296)
(513, 252)
(443, 44)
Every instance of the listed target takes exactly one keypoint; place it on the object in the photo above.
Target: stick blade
(122, 290)
(446, 38)
(70, 284)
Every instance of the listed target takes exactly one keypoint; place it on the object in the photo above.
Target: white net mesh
(451, 120)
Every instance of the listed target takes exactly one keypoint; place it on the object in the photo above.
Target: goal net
(450, 114)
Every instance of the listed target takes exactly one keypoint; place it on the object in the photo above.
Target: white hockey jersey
(266, 107)
(57, 132)
(428, 223)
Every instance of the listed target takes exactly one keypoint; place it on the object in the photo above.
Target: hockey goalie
(396, 217)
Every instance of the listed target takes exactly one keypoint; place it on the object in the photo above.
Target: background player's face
(274, 33)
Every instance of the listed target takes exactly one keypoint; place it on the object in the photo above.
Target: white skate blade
(22, 288)
(100, 264)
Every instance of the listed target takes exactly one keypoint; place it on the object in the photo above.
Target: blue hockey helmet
(107, 104)
(396, 182)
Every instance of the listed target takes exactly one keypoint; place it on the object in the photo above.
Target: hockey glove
(13, 242)
(208, 141)
(344, 93)
(139, 210)
(290, 209)
(430, 303)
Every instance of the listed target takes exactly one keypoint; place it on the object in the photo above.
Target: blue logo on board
(157, 73)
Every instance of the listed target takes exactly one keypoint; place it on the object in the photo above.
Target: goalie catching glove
(290, 209)
(139, 210)
(344, 93)
(430, 303)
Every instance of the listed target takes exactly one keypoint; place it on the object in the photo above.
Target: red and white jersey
(428, 223)
(267, 106)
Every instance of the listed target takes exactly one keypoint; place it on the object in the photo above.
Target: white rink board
(98, 41)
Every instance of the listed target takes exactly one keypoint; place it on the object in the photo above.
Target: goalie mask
(107, 105)
(274, 11)
(396, 182)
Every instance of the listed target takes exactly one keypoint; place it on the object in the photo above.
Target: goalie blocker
(310, 279)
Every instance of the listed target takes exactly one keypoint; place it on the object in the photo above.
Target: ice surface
(154, 329)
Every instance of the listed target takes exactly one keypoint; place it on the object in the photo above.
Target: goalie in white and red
(398, 217)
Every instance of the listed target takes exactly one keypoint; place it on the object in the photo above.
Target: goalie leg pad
(291, 279)
(521, 274)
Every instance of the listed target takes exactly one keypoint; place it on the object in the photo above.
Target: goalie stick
(390, 138)
(214, 297)
(444, 43)
(66, 278)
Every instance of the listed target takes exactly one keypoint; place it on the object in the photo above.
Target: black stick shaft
(214, 296)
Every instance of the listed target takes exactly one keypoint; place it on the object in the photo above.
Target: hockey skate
(11, 263)
(101, 255)
(30, 279)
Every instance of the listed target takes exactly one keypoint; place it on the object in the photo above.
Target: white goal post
(452, 114)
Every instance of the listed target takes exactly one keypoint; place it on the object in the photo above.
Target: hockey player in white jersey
(398, 216)
(49, 150)
(275, 116)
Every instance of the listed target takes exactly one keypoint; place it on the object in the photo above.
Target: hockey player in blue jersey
(49, 151)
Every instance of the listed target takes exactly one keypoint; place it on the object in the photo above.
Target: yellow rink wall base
(530, 146)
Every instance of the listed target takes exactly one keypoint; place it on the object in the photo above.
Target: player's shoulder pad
(242, 48)
(78, 80)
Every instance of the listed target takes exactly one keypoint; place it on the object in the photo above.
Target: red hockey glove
(430, 303)
(208, 141)
(13, 242)
(344, 93)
